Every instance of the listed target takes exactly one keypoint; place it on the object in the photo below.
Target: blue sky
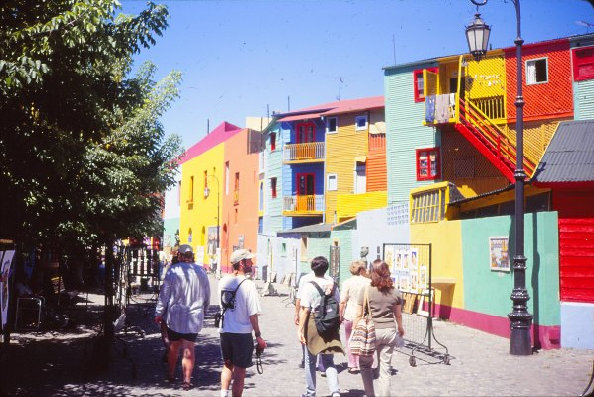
(240, 57)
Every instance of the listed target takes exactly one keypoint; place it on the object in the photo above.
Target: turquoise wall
(316, 246)
(171, 226)
(487, 291)
(405, 131)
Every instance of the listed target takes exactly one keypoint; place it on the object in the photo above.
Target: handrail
(304, 151)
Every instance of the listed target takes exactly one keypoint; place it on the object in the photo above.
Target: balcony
(311, 152)
(303, 205)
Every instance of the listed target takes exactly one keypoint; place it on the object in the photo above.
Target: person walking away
(164, 335)
(239, 301)
(385, 302)
(324, 344)
(349, 298)
(183, 300)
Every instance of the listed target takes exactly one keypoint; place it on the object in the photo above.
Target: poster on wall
(405, 260)
(4, 284)
(499, 254)
(389, 257)
(398, 260)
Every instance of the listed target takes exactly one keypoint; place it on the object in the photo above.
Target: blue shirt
(184, 298)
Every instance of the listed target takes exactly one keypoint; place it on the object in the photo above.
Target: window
(536, 71)
(273, 187)
(236, 216)
(360, 123)
(191, 195)
(305, 132)
(583, 63)
(428, 206)
(428, 166)
(331, 125)
(260, 225)
(283, 249)
(360, 178)
(419, 82)
(332, 182)
(205, 179)
(236, 189)
(189, 235)
(273, 142)
(226, 178)
(261, 205)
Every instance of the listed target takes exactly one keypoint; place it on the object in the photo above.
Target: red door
(305, 192)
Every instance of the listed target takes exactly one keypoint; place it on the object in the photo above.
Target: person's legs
(166, 341)
(226, 376)
(331, 373)
(365, 365)
(188, 359)
(172, 359)
(386, 340)
(238, 381)
(310, 373)
(353, 361)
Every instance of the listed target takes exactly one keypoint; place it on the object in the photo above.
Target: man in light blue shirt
(183, 300)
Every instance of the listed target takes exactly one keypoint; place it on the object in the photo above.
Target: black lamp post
(477, 35)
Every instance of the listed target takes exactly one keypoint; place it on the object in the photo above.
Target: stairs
(489, 139)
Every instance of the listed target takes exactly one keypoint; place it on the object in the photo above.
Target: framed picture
(398, 260)
(414, 259)
(405, 260)
(499, 254)
(389, 256)
(423, 276)
(404, 282)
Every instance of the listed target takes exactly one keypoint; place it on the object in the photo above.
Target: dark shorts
(175, 336)
(237, 348)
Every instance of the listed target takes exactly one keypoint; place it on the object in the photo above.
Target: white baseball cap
(240, 254)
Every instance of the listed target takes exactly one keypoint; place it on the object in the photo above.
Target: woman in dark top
(386, 310)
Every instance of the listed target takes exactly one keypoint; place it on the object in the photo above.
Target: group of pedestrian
(320, 310)
(183, 301)
(371, 293)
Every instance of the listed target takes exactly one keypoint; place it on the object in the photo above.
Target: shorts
(237, 348)
(175, 336)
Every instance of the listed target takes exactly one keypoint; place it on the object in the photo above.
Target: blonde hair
(356, 267)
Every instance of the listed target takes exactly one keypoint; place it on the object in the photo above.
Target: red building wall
(576, 244)
(553, 99)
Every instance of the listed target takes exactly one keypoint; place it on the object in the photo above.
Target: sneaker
(323, 374)
(336, 394)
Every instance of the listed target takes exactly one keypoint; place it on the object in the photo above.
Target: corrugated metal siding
(584, 99)
(552, 99)
(350, 205)
(273, 165)
(405, 133)
(345, 242)
(377, 179)
(576, 245)
(463, 165)
(318, 246)
(341, 150)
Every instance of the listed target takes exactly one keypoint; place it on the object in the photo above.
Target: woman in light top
(348, 305)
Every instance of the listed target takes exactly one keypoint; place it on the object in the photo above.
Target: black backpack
(227, 302)
(328, 317)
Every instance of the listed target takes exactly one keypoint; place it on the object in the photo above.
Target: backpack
(328, 317)
(227, 302)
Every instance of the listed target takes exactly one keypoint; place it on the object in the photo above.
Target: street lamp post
(520, 319)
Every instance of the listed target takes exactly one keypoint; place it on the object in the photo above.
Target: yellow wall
(202, 212)
(446, 257)
(342, 150)
(351, 204)
(487, 77)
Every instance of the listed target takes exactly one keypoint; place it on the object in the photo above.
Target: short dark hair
(319, 265)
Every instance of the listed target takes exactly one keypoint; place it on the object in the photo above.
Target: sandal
(187, 386)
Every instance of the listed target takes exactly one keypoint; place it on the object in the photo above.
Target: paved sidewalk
(58, 364)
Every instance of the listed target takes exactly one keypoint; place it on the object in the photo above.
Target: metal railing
(304, 151)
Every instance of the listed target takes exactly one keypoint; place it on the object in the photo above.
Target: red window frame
(583, 57)
(420, 97)
(273, 187)
(424, 170)
(309, 135)
(273, 142)
(313, 183)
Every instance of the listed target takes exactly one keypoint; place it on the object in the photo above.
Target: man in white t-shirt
(239, 300)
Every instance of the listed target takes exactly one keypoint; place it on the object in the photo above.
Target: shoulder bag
(362, 341)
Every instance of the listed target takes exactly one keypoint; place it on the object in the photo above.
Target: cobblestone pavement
(61, 363)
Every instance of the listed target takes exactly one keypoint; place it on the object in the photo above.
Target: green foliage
(83, 156)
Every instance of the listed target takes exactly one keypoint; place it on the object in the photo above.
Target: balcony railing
(311, 204)
(304, 152)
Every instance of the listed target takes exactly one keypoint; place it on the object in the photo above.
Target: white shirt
(310, 297)
(184, 297)
(237, 319)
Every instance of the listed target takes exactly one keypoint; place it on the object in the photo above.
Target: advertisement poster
(4, 284)
(499, 254)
